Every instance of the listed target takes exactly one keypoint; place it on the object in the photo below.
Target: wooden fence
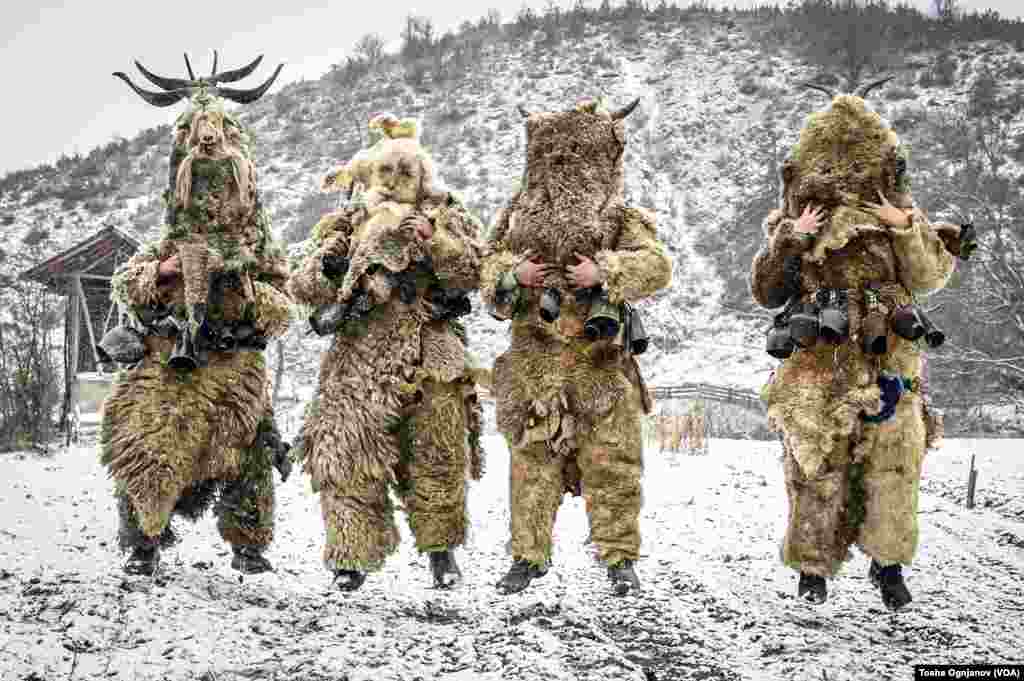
(707, 391)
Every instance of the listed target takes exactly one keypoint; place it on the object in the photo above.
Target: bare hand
(887, 213)
(169, 268)
(585, 274)
(531, 272)
(421, 226)
(810, 221)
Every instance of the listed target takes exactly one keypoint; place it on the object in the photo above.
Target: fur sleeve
(640, 265)
(135, 282)
(497, 264)
(455, 248)
(307, 283)
(271, 262)
(768, 275)
(925, 262)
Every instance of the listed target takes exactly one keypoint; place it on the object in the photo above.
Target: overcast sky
(61, 99)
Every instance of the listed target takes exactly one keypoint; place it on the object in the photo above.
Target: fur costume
(179, 441)
(570, 408)
(396, 404)
(852, 473)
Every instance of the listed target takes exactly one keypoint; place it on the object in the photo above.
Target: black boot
(519, 576)
(348, 580)
(249, 559)
(446, 572)
(812, 589)
(889, 581)
(623, 578)
(144, 560)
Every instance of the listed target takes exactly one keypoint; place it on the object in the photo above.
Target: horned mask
(845, 154)
(206, 129)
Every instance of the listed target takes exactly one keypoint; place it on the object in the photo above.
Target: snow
(716, 602)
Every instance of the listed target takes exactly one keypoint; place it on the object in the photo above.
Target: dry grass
(686, 425)
(679, 426)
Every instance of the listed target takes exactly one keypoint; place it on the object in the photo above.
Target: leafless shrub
(29, 369)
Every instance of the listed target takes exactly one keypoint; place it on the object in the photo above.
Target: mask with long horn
(176, 89)
(572, 192)
(846, 154)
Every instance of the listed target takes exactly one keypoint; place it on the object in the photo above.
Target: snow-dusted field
(716, 602)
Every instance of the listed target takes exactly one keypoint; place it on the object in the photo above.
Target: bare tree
(417, 36)
(946, 9)
(29, 372)
(848, 38)
(370, 48)
(986, 310)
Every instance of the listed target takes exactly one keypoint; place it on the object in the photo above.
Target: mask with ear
(573, 181)
(396, 168)
(845, 154)
(395, 177)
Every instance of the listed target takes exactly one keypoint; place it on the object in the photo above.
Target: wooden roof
(98, 255)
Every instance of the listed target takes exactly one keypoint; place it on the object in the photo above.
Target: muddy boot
(145, 551)
(623, 578)
(812, 588)
(519, 576)
(144, 560)
(249, 559)
(348, 580)
(889, 581)
(446, 572)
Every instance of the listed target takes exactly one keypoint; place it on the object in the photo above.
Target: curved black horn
(819, 88)
(247, 96)
(237, 74)
(522, 111)
(189, 67)
(156, 98)
(160, 81)
(213, 71)
(626, 110)
(863, 92)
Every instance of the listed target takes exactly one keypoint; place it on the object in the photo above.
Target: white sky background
(61, 99)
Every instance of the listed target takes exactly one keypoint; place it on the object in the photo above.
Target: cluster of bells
(604, 321)
(800, 325)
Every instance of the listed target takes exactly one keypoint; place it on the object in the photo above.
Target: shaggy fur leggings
(610, 466)
(866, 495)
(244, 510)
(430, 478)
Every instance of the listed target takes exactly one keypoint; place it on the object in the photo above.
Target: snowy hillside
(709, 91)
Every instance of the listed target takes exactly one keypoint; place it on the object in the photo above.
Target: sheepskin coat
(164, 431)
(849, 480)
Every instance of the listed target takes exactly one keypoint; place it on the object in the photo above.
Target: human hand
(887, 213)
(584, 275)
(169, 268)
(531, 272)
(422, 227)
(810, 221)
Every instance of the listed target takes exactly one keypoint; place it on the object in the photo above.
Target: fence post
(972, 481)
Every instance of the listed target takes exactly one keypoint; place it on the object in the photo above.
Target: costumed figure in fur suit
(188, 423)
(388, 276)
(565, 258)
(848, 255)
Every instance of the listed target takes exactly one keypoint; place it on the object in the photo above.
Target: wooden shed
(82, 275)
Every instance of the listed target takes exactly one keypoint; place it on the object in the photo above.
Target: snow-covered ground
(716, 603)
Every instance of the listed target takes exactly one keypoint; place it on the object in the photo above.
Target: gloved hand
(283, 462)
(334, 266)
(892, 389)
